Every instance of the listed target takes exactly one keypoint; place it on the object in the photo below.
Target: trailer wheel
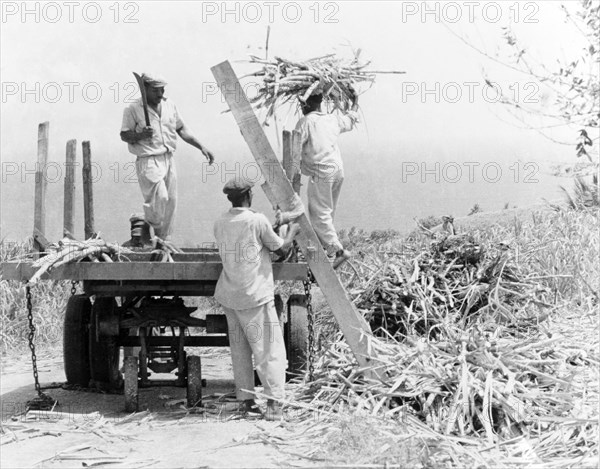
(130, 368)
(295, 333)
(104, 349)
(194, 381)
(75, 340)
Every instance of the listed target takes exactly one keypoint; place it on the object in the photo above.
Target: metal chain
(74, 287)
(42, 402)
(311, 328)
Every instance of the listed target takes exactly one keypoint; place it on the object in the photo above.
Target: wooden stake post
(352, 324)
(88, 195)
(69, 202)
(41, 184)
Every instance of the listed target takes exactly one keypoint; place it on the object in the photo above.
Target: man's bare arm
(289, 239)
(187, 137)
(133, 137)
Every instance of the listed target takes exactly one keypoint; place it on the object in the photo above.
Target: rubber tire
(194, 381)
(75, 340)
(295, 335)
(104, 350)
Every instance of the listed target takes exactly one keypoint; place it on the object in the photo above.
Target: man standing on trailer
(246, 289)
(154, 146)
(322, 163)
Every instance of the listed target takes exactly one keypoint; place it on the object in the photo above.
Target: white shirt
(165, 127)
(319, 133)
(245, 239)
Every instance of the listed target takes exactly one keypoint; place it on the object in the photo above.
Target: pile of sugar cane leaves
(462, 355)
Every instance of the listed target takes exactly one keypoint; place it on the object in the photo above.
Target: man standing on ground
(322, 163)
(245, 289)
(154, 147)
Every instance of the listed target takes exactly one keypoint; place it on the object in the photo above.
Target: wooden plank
(352, 324)
(296, 153)
(267, 190)
(88, 194)
(140, 271)
(288, 160)
(254, 135)
(41, 183)
(40, 240)
(69, 201)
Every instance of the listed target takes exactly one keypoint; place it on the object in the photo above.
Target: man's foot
(250, 408)
(341, 256)
(274, 411)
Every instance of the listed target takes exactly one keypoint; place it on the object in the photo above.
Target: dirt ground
(91, 429)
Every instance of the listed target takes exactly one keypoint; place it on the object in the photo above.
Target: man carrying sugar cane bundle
(331, 78)
(150, 128)
(322, 163)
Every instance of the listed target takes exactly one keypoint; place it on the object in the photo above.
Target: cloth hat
(154, 81)
(237, 186)
(136, 217)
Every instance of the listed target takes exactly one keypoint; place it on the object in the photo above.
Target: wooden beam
(269, 193)
(41, 184)
(296, 150)
(288, 161)
(352, 324)
(140, 271)
(292, 149)
(88, 194)
(69, 202)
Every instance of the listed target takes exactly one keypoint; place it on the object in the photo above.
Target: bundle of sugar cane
(69, 250)
(285, 81)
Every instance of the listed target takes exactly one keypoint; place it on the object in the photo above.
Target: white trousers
(323, 194)
(158, 181)
(256, 331)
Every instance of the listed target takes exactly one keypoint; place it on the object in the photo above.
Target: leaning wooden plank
(353, 326)
(39, 216)
(296, 155)
(287, 161)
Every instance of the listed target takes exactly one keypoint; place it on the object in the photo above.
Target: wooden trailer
(138, 303)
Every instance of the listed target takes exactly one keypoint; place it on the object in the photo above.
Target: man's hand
(187, 137)
(294, 229)
(147, 132)
(281, 218)
(209, 155)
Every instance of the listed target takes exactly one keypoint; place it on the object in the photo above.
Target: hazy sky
(70, 63)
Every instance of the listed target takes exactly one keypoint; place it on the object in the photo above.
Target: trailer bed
(191, 274)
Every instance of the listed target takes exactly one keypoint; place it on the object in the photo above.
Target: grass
(585, 194)
(557, 251)
(49, 300)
